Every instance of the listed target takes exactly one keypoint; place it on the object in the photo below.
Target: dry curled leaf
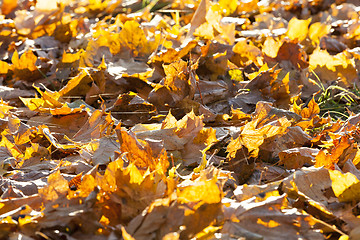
(179, 119)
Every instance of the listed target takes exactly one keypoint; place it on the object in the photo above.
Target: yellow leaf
(263, 68)
(4, 67)
(49, 102)
(126, 235)
(96, 6)
(206, 135)
(246, 52)
(32, 103)
(345, 237)
(298, 29)
(25, 220)
(65, 110)
(75, 83)
(71, 57)
(227, 7)
(329, 67)
(134, 38)
(25, 67)
(202, 191)
(345, 186)
(207, 233)
(4, 109)
(311, 110)
(252, 137)
(271, 47)
(26, 61)
(318, 30)
(87, 185)
(108, 39)
(140, 154)
(205, 30)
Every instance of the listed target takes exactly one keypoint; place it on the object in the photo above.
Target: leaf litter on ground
(190, 119)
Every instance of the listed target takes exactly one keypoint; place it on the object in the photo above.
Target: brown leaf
(268, 219)
(298, 157)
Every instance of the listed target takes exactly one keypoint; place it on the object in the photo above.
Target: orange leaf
(327, 160)
(311, 110)
(57, 185)
(8, 6)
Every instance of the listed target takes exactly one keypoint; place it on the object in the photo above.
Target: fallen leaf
(345, 186)
(296, 158)
(298, 29)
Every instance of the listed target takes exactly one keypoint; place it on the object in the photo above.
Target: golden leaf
(57, 185)
(271, 47)
(318, 30)
(329, 67)
(202, 191)
(246, 52)
(252, 137)
(4, 67)
(346, 186)
(298, 29)
(26, 61)
(134, 38)
(328, 159)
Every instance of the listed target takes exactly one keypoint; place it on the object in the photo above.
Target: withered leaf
(179, 119)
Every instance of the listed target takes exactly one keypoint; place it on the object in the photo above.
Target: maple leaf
(204, 208)
(333, 157)
(26, 67)
(179, 120)
(328, 67)
(49, 101)
(246, 52)
(252, 137)
(345, 186)
(134, 38)
(318, 30)
(57, 187)
(270, 218)
(298, 29)
(298, 157)
(285, 51)
(179, 83)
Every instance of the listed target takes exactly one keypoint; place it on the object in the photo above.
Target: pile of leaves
(127, 119)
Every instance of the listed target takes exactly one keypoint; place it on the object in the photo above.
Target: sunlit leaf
(57, 186)
(298, 29)
(329, 67)
(345, 186)
(134, 38)
(8, 6)
(318, 30)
